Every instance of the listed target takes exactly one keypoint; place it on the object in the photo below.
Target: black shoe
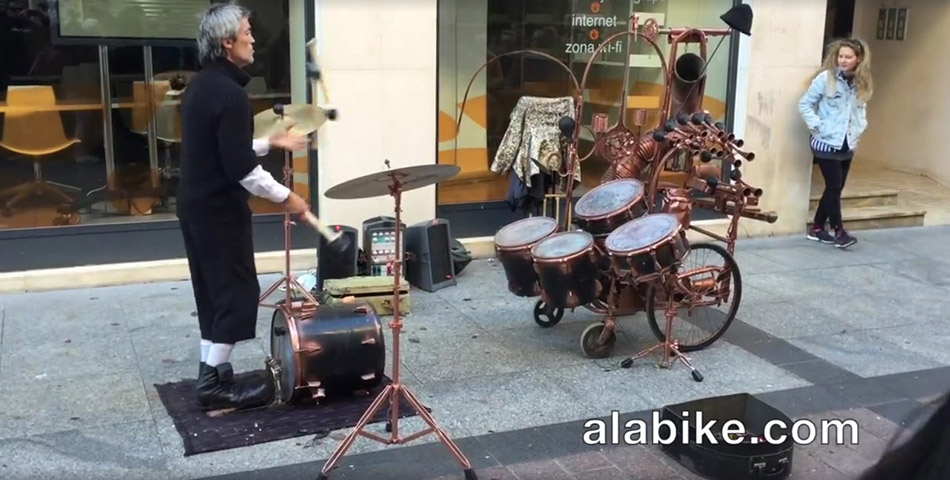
(820, 235)
(217, 389)
(843, 240)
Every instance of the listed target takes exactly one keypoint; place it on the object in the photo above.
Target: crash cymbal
(305, 119)
(378, 184)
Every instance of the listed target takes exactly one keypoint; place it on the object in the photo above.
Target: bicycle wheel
(692, 333)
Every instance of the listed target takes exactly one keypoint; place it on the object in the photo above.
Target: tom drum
(513, 245)
(567, 267)
(610, 205)
(648, 245)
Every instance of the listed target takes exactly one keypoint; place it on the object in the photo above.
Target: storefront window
(473, 31)
(69, 158)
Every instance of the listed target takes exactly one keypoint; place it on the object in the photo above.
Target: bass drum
(338, 350)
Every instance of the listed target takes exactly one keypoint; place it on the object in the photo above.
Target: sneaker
(843, 240)
(820, 235)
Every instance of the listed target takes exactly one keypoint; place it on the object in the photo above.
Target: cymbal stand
(670, 346)
(308, 305)
(392, 392)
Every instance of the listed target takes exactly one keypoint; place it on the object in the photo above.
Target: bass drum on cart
(338, 350)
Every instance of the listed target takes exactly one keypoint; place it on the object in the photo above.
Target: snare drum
(648, 245)
(610, 205)
(566, 264)
(513, 248)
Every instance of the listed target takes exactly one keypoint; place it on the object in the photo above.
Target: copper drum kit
(623, 248)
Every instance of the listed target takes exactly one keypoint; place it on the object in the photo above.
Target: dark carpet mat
(201, 433)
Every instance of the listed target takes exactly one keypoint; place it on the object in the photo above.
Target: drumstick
(312, 44)
(320, 227)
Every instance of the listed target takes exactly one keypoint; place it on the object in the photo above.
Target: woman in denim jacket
(834, 109)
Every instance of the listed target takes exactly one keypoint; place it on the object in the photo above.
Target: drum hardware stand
(396, 388)
(308, 305)
(556, 200)
(670, 347)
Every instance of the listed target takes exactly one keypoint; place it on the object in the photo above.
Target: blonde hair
(862, 74)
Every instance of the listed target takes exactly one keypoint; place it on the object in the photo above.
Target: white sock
(219, 353)
(205, 348)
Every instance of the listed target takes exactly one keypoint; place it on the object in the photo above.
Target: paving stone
(540, 470)
(639, 462)
(584, 462)
(609, 473)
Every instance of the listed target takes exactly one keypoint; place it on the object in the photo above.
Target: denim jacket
(830, 117)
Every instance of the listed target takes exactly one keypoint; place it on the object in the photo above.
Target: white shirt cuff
(262, 184)
(261, 147)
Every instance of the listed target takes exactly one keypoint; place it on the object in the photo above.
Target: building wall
(911, 97)
(775, 65)
(379, 61)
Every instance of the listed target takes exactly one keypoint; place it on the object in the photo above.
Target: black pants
(835, 173)
(224, 278)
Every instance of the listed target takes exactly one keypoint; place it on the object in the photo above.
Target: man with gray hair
(219, 172)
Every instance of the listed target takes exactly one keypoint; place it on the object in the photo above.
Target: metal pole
(105, 92)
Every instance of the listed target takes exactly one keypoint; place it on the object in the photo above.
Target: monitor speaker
(430, 265)
(332, 264)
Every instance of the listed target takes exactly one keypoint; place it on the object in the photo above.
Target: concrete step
(864, 198)
(887, 216)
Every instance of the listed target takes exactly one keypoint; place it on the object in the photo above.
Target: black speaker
(379, 245)
(332, 264)
(429, 246)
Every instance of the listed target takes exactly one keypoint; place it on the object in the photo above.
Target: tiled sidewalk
(819, 332)
(556, 452)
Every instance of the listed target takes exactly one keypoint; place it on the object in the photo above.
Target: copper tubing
(707, 170)
(600, 123)
(730, 209)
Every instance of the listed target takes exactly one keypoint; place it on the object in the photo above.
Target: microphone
(279, 109)
(567, 125)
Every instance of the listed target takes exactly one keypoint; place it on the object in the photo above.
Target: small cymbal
(378, 184)
(305, 119)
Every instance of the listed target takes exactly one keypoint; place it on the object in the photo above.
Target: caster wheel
(546, 316)
(470, 474)
(590, 342)
(389, 427)
(697, 376)
(626, 363)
